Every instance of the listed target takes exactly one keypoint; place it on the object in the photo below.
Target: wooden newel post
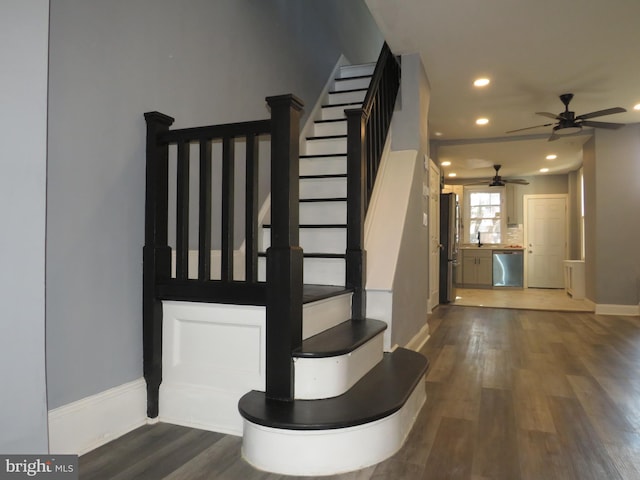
(356, 209)
(156, 254)
(284, 256)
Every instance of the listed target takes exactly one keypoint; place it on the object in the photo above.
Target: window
(483, 213)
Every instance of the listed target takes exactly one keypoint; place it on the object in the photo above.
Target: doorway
(545, 237)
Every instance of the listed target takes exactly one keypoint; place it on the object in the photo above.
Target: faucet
(479, 242)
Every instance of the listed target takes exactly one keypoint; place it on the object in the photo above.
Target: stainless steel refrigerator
(448, 246)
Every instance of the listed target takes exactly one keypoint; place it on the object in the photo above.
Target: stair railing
(282, 292)
(367, 129)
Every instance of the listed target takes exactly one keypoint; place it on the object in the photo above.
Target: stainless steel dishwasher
(508, 267)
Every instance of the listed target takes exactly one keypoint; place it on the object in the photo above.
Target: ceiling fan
(568, 123)
(498, 181)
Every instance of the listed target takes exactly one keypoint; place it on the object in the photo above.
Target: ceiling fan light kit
(569, 124)
(498, 181)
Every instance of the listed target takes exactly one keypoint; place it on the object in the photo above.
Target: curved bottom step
(364, 426)
(330, 452)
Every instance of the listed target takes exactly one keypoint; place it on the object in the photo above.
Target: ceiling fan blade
(519, 181)
(601, 113)
(609, 125)
(550, 115)
(478, 183)
(528, 128)
(553, 137)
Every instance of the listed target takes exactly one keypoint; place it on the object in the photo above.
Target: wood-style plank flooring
(511, 394)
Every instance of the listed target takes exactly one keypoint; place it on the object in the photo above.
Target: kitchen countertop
(491, 247)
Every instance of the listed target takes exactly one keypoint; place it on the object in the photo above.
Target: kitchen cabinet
(477, 267)
(512, 204)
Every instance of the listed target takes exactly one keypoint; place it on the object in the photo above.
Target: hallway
(511, 394)
(524, 298)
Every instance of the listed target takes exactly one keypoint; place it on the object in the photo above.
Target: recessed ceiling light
(446, 163)
(544, 170)
(481, 82)
(438, 134)
(453, 174)
(551, 157)
(636, 106)
(482, 121)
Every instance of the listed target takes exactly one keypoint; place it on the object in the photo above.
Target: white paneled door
(546, 240)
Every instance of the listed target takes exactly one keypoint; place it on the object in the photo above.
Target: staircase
(353, 403)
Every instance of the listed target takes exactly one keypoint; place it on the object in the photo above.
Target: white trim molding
(81, 426)
(419, 339)
(622, 310)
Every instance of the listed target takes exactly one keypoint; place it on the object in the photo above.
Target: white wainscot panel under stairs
(213, 354)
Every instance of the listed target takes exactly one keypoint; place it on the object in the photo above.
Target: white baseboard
(419, 339)
(81, 426)
(623, 310)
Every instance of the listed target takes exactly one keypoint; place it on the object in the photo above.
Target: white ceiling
(533, 51)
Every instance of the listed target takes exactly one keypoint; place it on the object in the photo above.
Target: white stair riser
(317, 378)
(323, 212)
(331, 128)
(326, 145)
(351, 84)
(318, 271)
(316, 240)
(331, 113)
(326, 313)
(336, 98)
(323, 187)
(323, 165)
(348, 71)
(295, 452)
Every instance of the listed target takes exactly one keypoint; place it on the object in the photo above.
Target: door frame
(525, 226)
(433, 200)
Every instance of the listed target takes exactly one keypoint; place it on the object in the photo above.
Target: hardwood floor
(511, 394)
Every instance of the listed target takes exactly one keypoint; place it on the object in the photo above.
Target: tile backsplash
(514, 235)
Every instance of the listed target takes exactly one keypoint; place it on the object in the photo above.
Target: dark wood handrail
(367, 130)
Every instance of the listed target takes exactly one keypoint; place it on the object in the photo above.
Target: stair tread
(348, 91)
(329, 105)
(332, 120)
(342, 79)
(313, 293)
(324, 155)
(380, 393)
(342, 339)
(316, 225)
(313, 255)
(326, 137)
(326, 175)
(328, 199)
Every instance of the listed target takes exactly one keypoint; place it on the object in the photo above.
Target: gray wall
(590, 217)
(409, 124)
(23, 136)
(199, 61)
(409, 132)
(617, 192)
